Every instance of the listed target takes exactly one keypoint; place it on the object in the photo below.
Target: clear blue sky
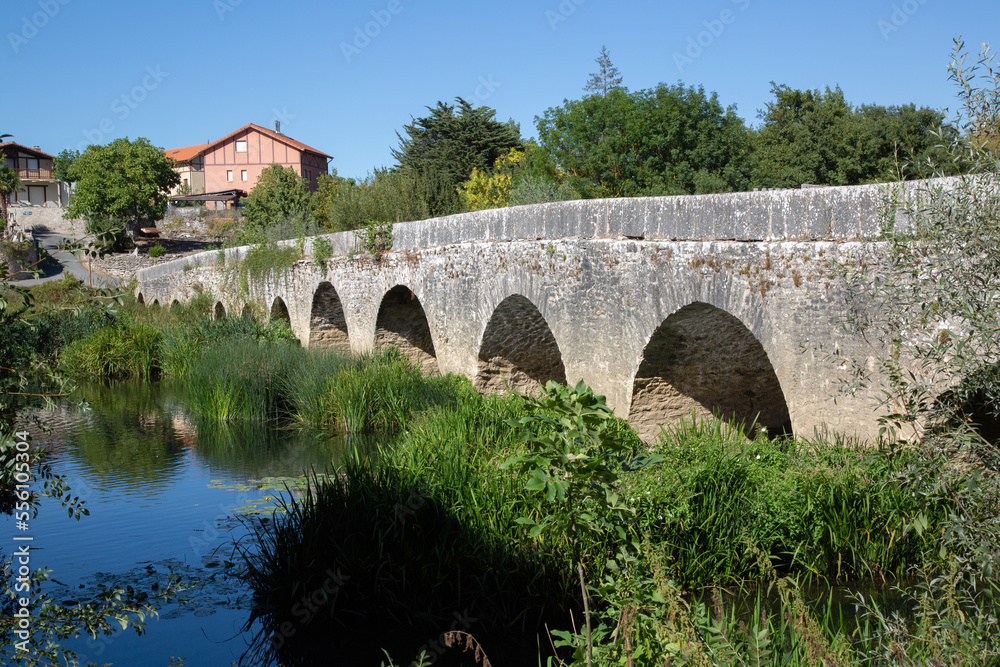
(189, 71)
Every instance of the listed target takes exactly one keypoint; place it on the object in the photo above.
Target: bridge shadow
(402, 323)
(518, 351)
(704, 362)
(327, 324)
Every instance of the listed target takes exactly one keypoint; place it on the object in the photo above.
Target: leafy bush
(157, 251)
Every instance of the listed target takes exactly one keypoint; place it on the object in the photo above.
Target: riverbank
(459, 516)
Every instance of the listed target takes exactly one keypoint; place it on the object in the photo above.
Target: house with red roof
(236, 161)
(35, 168)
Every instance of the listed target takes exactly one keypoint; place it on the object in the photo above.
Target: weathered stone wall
(623, 294)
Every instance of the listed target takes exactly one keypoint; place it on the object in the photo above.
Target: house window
(241, 147)
(33, 164)
(229, 175)
(185, 182)
(11, 163)
(243, 175)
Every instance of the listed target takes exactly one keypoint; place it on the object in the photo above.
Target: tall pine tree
(606, 79)
(442, 149)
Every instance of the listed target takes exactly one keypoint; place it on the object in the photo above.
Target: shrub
(157, 251)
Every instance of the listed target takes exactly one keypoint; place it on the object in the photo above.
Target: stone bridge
(668, 306)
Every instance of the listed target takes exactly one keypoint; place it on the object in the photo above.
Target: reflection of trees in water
(140, 431)
(255, 449)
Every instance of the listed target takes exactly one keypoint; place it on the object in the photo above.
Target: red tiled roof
(274, 135)
(26, 149)
(186, 153)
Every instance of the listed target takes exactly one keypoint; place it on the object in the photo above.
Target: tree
(384, 197)
(443, 148)
(484, 191)
(819, 138)
(121, 185)
(280, 193)
(606, 79)
(64, 162)
(9, 182)
(662, 141)
(930, 305)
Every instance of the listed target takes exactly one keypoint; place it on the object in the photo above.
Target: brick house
(236, 160)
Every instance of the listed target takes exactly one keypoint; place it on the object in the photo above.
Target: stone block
(529, 223)
(796, 216)
(874, 203)
(627, 217)
(665, 214)
(754, 223)
(819, 221)
(697, 218)
(727, 214)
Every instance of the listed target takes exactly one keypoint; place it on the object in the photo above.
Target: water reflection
(163, 488)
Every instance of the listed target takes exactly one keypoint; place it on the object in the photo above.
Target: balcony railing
(34, 174)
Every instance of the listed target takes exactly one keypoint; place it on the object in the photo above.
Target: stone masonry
(669, 306)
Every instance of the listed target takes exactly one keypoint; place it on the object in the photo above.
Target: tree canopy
(63, 167)
(124, 181)
(280, 193)
(665, 140)
(443, 148)
(817, 137)
(9, 182)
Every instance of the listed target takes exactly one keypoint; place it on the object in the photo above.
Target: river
(166, 495)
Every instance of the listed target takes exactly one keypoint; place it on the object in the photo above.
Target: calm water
(164, 494)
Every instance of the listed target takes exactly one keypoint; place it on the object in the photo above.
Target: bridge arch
(402, 322)
(327, 323)
(248, 312)
(704, 361)
(220, 311)
(518, 349)
(156, 303)
(140, 299)
(279, 311)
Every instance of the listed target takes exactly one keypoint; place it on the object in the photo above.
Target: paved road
(64, 263)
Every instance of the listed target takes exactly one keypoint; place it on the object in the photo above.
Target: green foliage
(125, 181)
(570, 445)
(443, 148)
(530, 189)
(930, 314)
(384, 197)
(491, 190)
(280, 193)
(64, 166)
(375, 239)
(125, 351)
(662, 141)
(322, 251)
(9, 182)
(157, 251)
(817, 137)
(262, 262)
